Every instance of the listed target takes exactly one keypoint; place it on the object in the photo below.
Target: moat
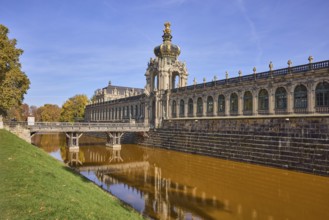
(163, 184)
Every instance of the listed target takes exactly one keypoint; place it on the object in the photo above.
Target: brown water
(164, 184)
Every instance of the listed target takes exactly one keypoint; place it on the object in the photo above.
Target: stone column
(240, 103)
(311, 98)
(186, 108)
(146, 113)
(215, 100)
(167, 105)
(194, 106)
(204, 107)
(169, 109)
(255, 103)
(271, 102)
(227, 105)
(290, 100)
(156, 111)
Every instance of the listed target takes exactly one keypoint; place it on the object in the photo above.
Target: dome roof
(167, 49)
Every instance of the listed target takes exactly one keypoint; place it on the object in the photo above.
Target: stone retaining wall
(20, 131)
(300, 144)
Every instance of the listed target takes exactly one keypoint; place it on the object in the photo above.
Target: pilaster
(240, 103)
(290, 100)
(255, 103)
(271, 102)
(185, 108)
(227, 105)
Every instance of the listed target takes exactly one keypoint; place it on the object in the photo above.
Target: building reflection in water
(171, 185)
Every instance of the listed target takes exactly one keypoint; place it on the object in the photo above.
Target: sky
(77, 46)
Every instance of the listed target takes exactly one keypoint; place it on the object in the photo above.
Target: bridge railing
(12, 124)
(80, 125)
(85, 126)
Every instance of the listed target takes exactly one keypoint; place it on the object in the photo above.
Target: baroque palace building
(295, 91)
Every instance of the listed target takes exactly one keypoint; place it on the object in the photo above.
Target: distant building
(295, 90)
(112, 92)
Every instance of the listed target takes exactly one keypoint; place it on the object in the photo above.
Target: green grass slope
(34, 185)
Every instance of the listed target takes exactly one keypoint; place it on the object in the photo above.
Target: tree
(48, 112)
(13, 82)
(74, 108)
(19, 113)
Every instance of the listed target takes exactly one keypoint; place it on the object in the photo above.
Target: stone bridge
(74, 130)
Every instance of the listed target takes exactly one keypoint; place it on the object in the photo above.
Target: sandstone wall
(300, 144)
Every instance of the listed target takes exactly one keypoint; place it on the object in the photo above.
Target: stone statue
(270, 66)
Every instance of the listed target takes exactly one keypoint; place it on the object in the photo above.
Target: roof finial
(167, 32)
(167, 28)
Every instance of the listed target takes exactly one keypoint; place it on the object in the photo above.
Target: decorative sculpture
(270, 66)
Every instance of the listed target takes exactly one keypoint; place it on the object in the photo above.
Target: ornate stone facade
(292, 91)
(112, 92)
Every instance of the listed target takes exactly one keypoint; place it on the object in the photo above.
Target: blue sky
(76, 46)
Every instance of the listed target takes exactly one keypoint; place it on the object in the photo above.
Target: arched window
(300, 97)
(210, 105)
(263, 100)
(234, 103)
(322, 94)
(190, 106)
(173, 108)
(221, 103)
(281, 98)
(175, 80)
(155, 82)
(247, 101)
(199, 104)
(181, 107)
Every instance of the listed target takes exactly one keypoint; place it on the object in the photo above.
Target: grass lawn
(34, 185)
